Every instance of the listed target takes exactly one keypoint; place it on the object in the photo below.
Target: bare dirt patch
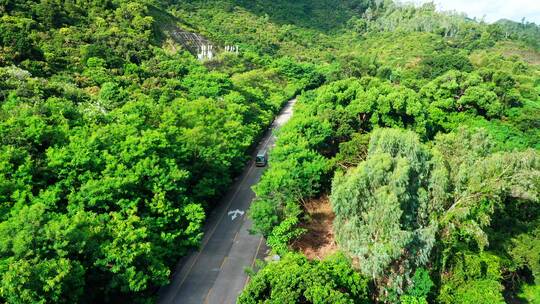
(528, 54)
(318, 242)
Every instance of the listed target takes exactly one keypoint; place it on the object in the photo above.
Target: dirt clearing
(318, 242)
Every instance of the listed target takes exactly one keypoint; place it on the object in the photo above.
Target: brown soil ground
(527, 54)
(318, 242)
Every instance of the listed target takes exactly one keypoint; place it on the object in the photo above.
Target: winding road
(216, 273)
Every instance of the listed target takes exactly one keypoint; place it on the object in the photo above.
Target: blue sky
(492, 10)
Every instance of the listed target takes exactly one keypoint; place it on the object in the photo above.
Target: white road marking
(235, 213)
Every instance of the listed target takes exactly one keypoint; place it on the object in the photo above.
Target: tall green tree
(386, 208)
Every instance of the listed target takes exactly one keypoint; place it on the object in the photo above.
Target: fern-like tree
(385, 208)
(392, 207)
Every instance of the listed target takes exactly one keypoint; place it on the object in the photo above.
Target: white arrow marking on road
(235, 213)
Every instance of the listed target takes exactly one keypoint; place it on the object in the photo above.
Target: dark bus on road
(261, 159)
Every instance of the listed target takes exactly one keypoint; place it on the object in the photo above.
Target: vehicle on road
(261, 159)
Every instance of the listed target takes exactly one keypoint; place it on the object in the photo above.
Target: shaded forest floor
(318, 242)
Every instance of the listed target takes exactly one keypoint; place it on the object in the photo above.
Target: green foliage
(528, 32)
(484, 214)
(525, 247)
(412, 300)
(352, 152)
(422, 284)
(294, 279)
(295, 173)
(16, 40)
(462, 92)
(385, 208)
(284, 233)
(113, 147)
(498, 180)
(531, 293)
(474, 279)
(438, 64)
(308, 14)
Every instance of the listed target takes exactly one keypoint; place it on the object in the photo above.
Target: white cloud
(493, 10)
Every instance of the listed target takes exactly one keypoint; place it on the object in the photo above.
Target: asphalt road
(216, 273)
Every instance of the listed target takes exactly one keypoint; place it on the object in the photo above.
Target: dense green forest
(426, 138)
(113, 145)
(422, 127)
